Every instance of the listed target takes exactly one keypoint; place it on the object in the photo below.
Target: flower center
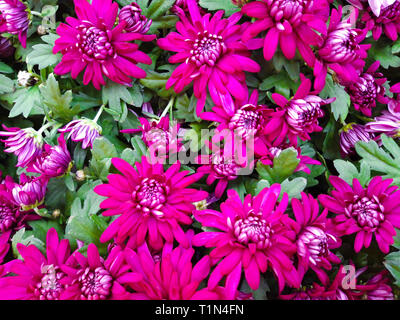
(366, 89)
(253, 229)
(95, 284)
(302, 114)
(367, 212)
(94, 43)
(150, 196)
(287, 10)
(49, 288)
(246, 121)
(314, 242)
(389, 13)
(224, 166)
(157, 136)
(7, 217)
(207, 48)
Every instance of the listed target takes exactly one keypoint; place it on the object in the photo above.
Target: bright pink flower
(159, 136)
(211, 55)
(55, 161)
(30, 192)
(95, 278)
(251, 236)
(297, 117)
(374, 5)
(367, 90)
(388, 21)
(151, 204)
(292, 24)
(377, 288)
(226, 160)
(93, 44)
(37, 276)
(374, 210)
(314, 237)
(340, 51)
(84, 130)
(352, 133)
(135, 21)
(388, 122)
(14, 19)
(26, 144)
(172, 276)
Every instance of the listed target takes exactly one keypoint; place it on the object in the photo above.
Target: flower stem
(44, 127)
(168, 107)
(96, 118)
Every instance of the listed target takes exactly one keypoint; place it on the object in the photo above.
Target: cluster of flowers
(152, 242)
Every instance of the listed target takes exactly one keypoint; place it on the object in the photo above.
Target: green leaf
(157, 8)
(116, 95)
(83, 224)
(348, 171)
(316, 171)
(26, 101)
(4, 68)
(380, 160)
(392, 263)
(384, 54)
(21, 236)
(103, 149)
(42, 54)
(340, 107)
(156, 81)
(6, 84)
(58, 104)
(40, 228)
(225, 5)
(283, 166)
(294, 187)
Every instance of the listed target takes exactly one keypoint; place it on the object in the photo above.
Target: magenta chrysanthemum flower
(291, 24)
(251, 236)
(12, 218)
(388, 21)
(152, 204)
(14, 19)
(83, 130)
(350, 135)
(297, 117)
(211, 55)
(55, 161)
(37, 276)
(30, 192)
(377, 288)
(314, 238)
(170, 277)
(340, 51)
(370, 211)
(93, 44)
(95, 278)
(6, 48)
(135, 21)
(26, 144)
(159, 136)
(367, 90)
(388, 122)
(266, 152)
(374, 5)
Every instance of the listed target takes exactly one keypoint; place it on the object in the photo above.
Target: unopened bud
(25, 79)
(56, 213)
(80, 175)
(41, 30)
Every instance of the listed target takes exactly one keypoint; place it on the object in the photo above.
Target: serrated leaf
(26, 101)
(40, 228)
(214, 5)
(157, 8)
(103, 149)
(348, 171)
(384, 54)
(392, 263)
(5, 68)
(6, 84)
(116, 95)
(340, 107)
(42, 54)
(21, 236)
(294, 187)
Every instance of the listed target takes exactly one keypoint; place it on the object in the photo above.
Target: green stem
(43, 128)
(169, 106)
(96, 118)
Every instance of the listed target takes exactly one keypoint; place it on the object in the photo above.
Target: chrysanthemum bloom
(37, 276)
(374, 5)
(6, 48)
(170, 277)
(388, 122)
(159, 136)
(135, 21)
(394, 103)
(84, 130)
(247, 118)
(91, 42)
(55, 161)
(266, 152)
(350, 135)
(95, 278)
(251, 235)
(367, 90)
(340, 51)
(388, 21)
(374, 210)
(152, 204)
(292, 24)
(211, 55)
(26, 144)
(183, 5)
(225, 163)
(4, 247)
(377, 288)
(14, 19)
(30, 192)
(12, 218)
(297, 117)
(313, 292)
(314, 238)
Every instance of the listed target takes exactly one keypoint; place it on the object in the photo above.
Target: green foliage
(340, 107)
(214, 5)
(25, 101)
(348, 171)
(42, 54)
